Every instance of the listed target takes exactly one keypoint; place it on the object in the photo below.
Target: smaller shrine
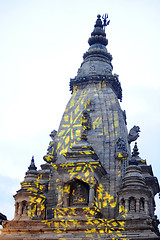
(2, 218)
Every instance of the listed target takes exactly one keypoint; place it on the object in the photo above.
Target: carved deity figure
(24, 208)
(79, 194)
(86, 124)
(132, 205)
(141, 205)
(51, 155)
(121, 149)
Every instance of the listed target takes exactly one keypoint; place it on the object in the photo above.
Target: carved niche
(132, 204)
(79, 193)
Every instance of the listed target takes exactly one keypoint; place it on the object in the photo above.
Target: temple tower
(93, 119)
(91, 185)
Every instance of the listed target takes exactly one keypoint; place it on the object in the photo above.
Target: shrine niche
(141, 205)
(24, 207)
(132, 204)
(123, 204)
(79, 193)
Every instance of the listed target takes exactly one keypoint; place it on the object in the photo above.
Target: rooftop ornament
(105, 21)
(32, 166)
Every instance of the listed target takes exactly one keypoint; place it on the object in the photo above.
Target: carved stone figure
(132, 204)
(86, 124)
(121, 150)
(24, 208)
(79, 194)
(92, 69)
(141, 205)
(124, 116)
(90, 105)
(53, 134)
(51, 155)
(133, 134)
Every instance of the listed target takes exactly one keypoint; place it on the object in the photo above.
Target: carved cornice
(97, 52)
(111, 79)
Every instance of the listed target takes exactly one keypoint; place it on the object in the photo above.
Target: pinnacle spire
(32, 166)
(96, 65)
(98, 22)
(135, 152)
(98, 36)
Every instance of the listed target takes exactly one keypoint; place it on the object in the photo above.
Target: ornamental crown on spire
(96, 65)
(99, 21)
(98, 36)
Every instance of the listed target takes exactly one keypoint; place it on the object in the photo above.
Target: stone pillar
(127, 205)
(91, 195)
(29, 212)
(65, 199)
(137, 205)
(16, 209)
(60, 198)
(146, 207)
(20, 209)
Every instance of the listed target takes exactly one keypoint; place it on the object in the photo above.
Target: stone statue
(132, 205)
(121, 149)
(51, 155)
(53, 134)
(86, 124)
(133, 134)
(79, 194)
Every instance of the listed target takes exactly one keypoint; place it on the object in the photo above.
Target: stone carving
(121, 144)
(80, 72)
(133, 134)
(79, 194)
(123, 204)
(108, 77)
(141, 205)
(132, 204)
(90, 105)
(86, 124)
(116, 76)
(24, 207)
(92, 69)
(121, 149)
(16, 208)
(124, 116)
(51, 155)
(107, 70)
(53, 134)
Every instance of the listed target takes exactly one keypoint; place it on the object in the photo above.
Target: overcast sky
(41, 47)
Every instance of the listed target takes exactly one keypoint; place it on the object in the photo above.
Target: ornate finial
(105, 22)
(98, 22)
(98, 35)
(135, 152)
(32, 165)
